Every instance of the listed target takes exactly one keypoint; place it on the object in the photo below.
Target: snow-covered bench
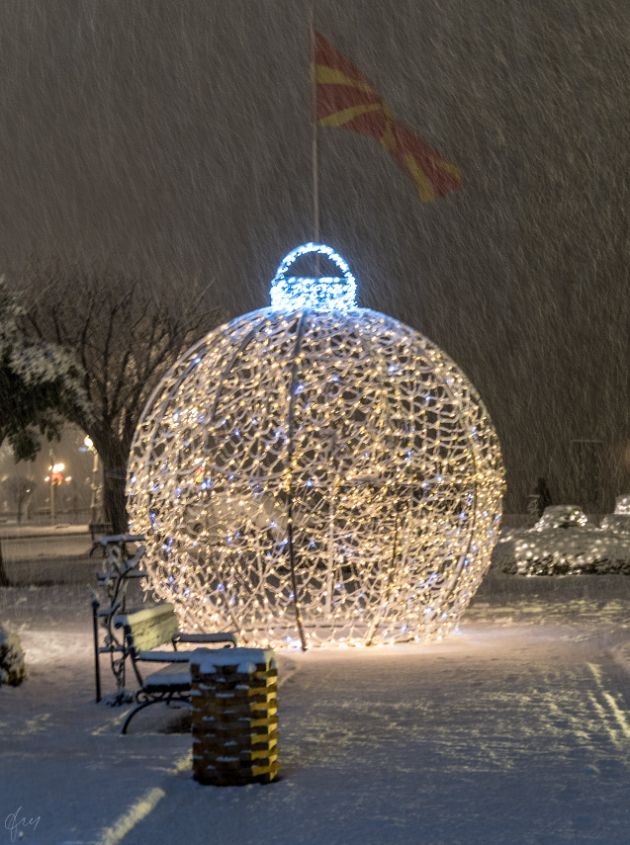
(145, 632)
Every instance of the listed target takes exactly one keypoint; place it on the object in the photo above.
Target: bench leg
(163, 700)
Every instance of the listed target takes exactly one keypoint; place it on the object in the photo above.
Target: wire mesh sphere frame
(316, 473)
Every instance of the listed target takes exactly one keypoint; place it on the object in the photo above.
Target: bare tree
(125, 333)
(19, 490)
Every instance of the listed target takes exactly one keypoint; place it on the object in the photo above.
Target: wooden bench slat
(149, 628)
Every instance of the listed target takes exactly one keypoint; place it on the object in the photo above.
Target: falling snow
(173, 140)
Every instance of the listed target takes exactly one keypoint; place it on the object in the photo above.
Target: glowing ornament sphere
(316, 473)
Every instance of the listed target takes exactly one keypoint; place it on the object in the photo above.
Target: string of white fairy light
(316, 473)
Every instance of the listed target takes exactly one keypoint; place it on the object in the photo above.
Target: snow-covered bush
(561, 516)
(12, 667)
(569, 545)
(563, 564)
(622, 505)
(620, 523)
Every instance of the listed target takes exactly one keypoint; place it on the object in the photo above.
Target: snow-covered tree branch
(39, 382)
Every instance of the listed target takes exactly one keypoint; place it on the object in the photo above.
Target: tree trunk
(4, 579)
(114, 501)
(114, 461)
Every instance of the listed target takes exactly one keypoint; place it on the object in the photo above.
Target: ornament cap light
(325, 293)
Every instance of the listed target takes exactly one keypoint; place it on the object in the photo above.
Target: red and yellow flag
(346, 98)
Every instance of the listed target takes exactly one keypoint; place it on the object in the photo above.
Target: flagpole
(314, 139)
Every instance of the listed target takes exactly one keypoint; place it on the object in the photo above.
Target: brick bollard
(234, 716)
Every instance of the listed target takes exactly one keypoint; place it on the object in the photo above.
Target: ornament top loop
(327, 293)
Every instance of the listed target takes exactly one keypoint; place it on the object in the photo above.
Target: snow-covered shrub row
(563, 542)
(616, 522)
(12, 667)
(551, 565)
(561, 516)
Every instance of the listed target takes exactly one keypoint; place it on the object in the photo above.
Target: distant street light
(55, 478)
(94, 485)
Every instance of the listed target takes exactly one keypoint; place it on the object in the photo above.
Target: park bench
(152, 637)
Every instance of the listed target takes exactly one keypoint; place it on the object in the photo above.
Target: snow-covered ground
(515, 730)
(43, 554)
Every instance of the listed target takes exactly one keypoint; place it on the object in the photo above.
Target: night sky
(175, 137)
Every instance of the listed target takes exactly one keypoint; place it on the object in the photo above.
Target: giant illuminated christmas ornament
(315, 473)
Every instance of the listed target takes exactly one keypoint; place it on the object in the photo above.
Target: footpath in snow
(516, 730)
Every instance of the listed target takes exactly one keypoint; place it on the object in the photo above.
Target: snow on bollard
(234, 716)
